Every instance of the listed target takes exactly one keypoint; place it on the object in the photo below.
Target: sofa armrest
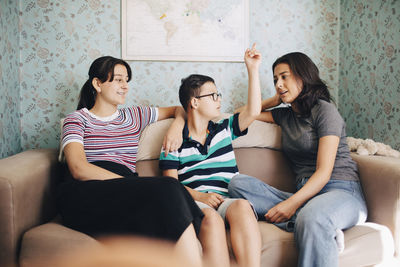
(380, 179)
(26, 197)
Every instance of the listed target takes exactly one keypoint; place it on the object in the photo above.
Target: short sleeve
(327, 120)
(234, 126)
(169, 162)
(147, 115)
(277, 114)
(73, 130)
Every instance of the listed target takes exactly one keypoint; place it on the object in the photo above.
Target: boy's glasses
(215, 96)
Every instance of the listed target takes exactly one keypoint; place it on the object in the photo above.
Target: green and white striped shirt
(209, 167)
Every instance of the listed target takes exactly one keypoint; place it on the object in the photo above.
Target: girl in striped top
(104, 194)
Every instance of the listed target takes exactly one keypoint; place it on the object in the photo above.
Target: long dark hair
(314, 88)
(103, 69)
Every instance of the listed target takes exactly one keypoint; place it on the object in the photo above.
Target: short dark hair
(190, 87)
(102, 68)
(314, 88)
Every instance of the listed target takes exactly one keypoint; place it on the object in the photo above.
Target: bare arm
(173, 138)
(327, 149)
(80, 168)
(265, 116)
(250, 112)
(211, 199)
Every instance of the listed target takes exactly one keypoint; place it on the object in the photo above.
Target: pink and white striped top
(114, 138)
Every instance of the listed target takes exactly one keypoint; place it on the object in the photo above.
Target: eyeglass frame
(215, 96)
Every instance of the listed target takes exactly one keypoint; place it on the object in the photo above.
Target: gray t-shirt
(300, 136)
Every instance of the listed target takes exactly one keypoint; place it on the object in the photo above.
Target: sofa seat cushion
(365, 244)
(278, 247)
(362, 243)
(51, 240)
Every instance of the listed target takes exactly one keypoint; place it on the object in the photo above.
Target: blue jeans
(339, 205)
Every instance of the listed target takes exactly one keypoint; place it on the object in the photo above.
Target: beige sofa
(30, 234)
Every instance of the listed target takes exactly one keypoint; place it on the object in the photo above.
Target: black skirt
(158, 207)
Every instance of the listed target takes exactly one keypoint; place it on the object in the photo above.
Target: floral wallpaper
(369, 93)
(46, 47)
(9, 86)
(59, 39)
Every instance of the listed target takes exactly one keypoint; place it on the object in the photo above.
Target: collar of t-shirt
(212, 130)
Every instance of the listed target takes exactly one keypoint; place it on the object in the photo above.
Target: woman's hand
(211, 199)
(281, 212)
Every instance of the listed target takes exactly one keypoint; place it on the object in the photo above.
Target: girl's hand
(277, 99)
(172, 139)
(211, 199)
(281, 212)
(252, 58)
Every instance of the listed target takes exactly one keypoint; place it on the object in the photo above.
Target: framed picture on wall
(182, 30)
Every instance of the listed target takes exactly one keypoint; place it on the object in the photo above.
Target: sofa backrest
(257, 153)
(266, 164)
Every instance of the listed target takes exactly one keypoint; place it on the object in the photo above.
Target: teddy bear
(370, 147)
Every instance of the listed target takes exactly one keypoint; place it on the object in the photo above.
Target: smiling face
(286, 84)
(113, 92)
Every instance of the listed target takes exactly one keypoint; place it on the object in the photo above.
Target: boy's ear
(194, 103)
(96, 84)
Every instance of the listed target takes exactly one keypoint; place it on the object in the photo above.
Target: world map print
(184, 30)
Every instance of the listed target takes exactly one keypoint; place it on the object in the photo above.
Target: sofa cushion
(51, 240)
(270, 166)
(260, 134)
(278, 246)
(361, 241)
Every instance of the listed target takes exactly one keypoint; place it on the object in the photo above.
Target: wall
(59, 40)
(53, 43)
(369, 92)
(9, 85)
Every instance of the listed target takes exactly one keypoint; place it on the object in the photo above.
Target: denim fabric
(339, 205)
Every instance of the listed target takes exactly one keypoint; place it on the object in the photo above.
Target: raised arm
(265, 116)
(173, 138)
(80, 168)
(250, 112)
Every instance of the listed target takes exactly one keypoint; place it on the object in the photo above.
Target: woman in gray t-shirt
(329, 197)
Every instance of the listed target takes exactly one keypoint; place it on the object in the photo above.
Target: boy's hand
(211, 199)
(252, 57)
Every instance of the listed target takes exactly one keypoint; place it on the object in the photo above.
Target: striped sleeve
(169, 162)
(73, 129)
(234, 127)
(147, 115)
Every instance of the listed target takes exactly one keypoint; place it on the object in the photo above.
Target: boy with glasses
(205, 163)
